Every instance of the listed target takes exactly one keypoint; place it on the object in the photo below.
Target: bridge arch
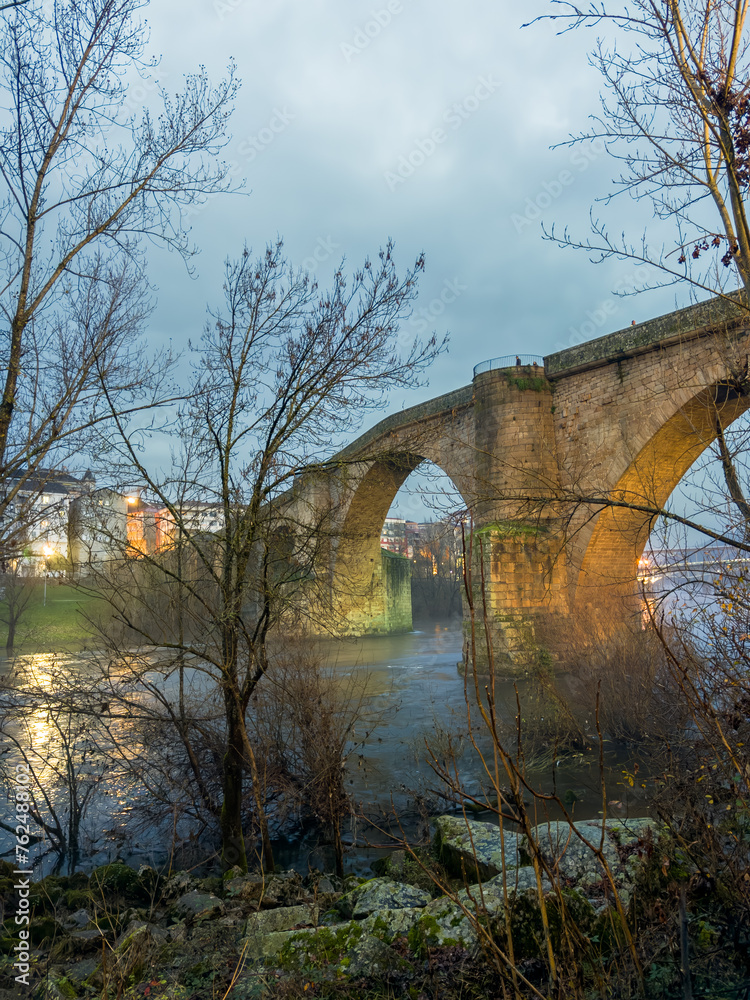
(371, 587)
(663, 456)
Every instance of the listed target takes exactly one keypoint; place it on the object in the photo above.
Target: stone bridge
(532, 452)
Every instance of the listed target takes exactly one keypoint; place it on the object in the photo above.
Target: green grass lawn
(60, 624)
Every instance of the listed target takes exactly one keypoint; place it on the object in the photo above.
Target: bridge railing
(509, 361)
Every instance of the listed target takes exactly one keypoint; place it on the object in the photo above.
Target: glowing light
(132, 499)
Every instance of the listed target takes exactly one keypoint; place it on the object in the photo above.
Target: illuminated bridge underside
(622, 417)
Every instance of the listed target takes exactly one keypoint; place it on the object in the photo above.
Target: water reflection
(414, 722)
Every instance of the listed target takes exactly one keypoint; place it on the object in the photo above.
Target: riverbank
(427, 925)
(55, 619)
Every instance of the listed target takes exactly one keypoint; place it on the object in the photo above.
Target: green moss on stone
(325, 946)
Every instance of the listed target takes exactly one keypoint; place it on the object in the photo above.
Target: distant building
(196, 516)
(108, 524)
(393, 536)
(38, 516)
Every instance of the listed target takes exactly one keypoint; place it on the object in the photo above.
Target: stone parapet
(701, 320)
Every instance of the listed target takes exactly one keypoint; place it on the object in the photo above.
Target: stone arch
(619, 534)
(365, 581)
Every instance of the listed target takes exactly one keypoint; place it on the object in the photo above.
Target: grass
(60, 625)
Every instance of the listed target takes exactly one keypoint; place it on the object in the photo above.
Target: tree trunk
(232, 840)
(10, 641)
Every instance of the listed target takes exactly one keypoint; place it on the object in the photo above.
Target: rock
(117, 879)
(391, 866)
(247, 887)
(178, 885)
(443, 924)
(278, 889)
(282, 919)
(380, 894)
(489, 897)
(135, 951)
(79, 919)
(346, 948)
(90, 939)
(159, 933)
(474, 848)
(149, 879)
(211, 884)
(370, 956)
(54, 987)
(623, 848)
(79, 972)
(389, 924)
(197, 905)
(264, 946)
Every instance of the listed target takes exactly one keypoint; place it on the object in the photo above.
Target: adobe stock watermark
(278, 122)
(324, 249)
(455, 116)
(249, 149)
(602, 314)
(21, 798)
(365, 34)
(580, 159)
(140, 90)
(423, 319)
(224, 8)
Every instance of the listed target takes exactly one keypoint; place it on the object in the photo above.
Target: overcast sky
(430, 123)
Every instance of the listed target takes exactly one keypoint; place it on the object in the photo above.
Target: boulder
(345, 948)
(389, 924)
(178, 885)
(284, 918)
(475, 849)
(490, 896)
(380, 894)
(78, 920)
(277, 889)
(625, 846)
(158, 933)
(443, 924)
(197, 905)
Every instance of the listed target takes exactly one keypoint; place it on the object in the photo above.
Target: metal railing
(511, 361)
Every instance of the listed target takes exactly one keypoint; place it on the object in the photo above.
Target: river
(415, 705)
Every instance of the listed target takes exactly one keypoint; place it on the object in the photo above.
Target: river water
(415, 708)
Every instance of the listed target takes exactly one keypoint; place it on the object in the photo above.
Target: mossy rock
(150, 880)
(319, 948)
(7, 944)
(526, 922)
(55, 987)
(78, 880)
(118, 879)
(212, 884)
(43, 929)
(65, 988)
(420, 868)
(443, 924)
(44, 895)
(77, 899)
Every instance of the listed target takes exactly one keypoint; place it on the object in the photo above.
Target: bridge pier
(518, 554)
(519, 576)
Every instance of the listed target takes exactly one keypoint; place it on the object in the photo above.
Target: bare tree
(675, 113)
(84, 182)
(279, 371)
